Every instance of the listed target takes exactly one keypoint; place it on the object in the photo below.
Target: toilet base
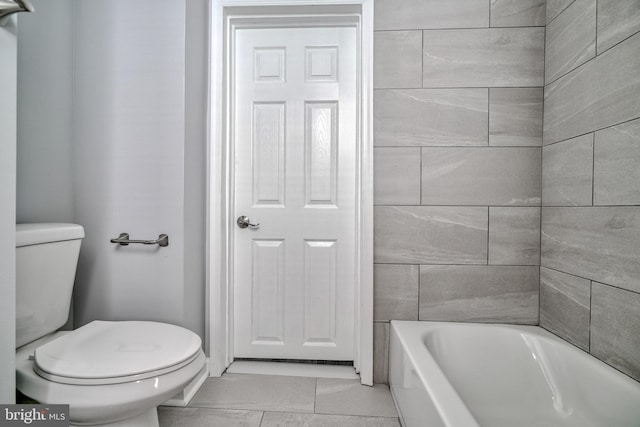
(146, 419)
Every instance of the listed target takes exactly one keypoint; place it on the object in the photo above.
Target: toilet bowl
(110, 373)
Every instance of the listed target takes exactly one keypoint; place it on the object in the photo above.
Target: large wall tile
(481, 176)
(617, 20)
(565, 302)
(518, 13)
(443, 117)
(592, 157)
(514, 236)
(397, 176)
(479, 293)
(430, 235)
(515, 116)
(603, 92)
(598, 243)
(554, 7)
(615, 322)
(617, 165)
(567, 172)
(571, 39)
(397, 61)
(395, 295)
(423, 14)
(503, 57)
(381, 352)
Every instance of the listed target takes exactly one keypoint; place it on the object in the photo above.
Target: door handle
(244, 222)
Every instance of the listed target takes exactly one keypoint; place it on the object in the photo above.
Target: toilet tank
(46, 260)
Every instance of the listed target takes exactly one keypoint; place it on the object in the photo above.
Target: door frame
(225, 17)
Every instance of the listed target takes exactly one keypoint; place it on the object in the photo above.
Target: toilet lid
(114, 352)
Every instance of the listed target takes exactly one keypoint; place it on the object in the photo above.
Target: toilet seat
(116, 352)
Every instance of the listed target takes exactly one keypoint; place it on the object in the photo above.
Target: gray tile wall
(570, 39)
(590, 224)
(479, 293)
(554, 7)
(488, 57)
(458, 144)
(602, 92)
(515, 116)
(617, 20)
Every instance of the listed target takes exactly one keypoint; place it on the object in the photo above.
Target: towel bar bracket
(8, 7)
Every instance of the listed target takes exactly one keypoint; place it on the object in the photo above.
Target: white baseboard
(184, 397)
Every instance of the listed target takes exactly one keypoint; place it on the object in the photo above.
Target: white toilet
(110, 373)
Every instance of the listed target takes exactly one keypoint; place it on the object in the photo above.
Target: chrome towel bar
(123, 240)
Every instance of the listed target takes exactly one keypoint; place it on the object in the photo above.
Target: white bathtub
(469, 375)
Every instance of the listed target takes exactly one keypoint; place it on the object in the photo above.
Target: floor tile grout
(254, 396)
(264, 413)
(315, 396)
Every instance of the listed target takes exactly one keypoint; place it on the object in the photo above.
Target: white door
(294, 133)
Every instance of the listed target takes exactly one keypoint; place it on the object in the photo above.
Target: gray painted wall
(45, 88)
(590, 275)
(128, 157)
(112, 135)
(195, 164)
(8, 89)
(457, 162)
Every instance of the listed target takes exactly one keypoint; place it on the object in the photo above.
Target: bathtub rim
(450, 406)
(411, 334)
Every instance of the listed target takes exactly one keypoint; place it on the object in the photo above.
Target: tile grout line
(445, 88)
(595, 48)
(593, 168)
(508, 206)
(544, 68)
(419, 291)
(560, 13)
(585, 133)
(315, 395)
(422, 58)
(421, 167)
(399, 30)
(591, 280)
(488, 117)
(488, 231)
(470, 147)
(482, 264)
(621, 41)
(590, 313)
(597, 55)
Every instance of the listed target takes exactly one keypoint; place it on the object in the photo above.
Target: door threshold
(292, 369)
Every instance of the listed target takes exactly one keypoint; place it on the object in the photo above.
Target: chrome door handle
(244, 222)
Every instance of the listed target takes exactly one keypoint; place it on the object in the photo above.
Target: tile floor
(240, 400)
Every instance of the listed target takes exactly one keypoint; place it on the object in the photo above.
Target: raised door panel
(267, 293)
(320, 286)
(321, 149)
(268, 142)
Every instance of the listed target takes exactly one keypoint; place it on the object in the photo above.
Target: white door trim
(220, 176)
